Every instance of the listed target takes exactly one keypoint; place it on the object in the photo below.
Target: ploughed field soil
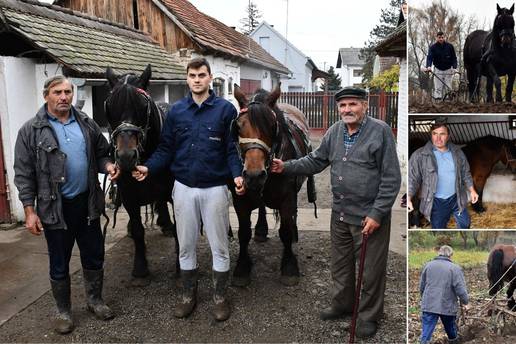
(461, 107)
(265, 311)
(475, 331)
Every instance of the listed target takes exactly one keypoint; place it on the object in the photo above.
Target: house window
(265, 44)
(357, 72)
(218, 87)
(230, 86)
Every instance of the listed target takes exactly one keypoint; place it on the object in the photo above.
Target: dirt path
(266, 311)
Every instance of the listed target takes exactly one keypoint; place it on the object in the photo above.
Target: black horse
(492, 54)
(501, 266)
(136, 123)
(263, 130)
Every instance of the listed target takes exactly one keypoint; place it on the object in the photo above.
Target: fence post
(382, 108)
(325, 110)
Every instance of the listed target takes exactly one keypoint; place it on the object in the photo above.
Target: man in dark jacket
(196, 146)
(442, 55)
(365, 180)
(57, 158)
(441, 284)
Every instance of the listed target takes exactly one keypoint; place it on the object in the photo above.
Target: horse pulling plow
(501, 315)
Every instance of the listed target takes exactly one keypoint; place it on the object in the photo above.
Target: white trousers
(440, 87)
(211, 206)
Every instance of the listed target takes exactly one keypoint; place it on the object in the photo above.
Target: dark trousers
(443, 208)
(89, 238)
(345, 253)
(429, 320)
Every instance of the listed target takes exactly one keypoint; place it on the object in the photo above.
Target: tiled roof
(349, 56)
(395, 44)
(213, 36)
(84, 44)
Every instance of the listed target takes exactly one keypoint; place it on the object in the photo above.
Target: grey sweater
(367, 180)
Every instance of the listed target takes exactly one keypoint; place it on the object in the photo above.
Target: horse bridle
(245, 144)
(130, 127)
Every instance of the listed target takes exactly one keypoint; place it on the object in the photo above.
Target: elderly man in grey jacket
(442, 283)
(365, 180)
(439, 173)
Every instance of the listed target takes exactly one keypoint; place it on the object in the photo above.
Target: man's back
(442, 282)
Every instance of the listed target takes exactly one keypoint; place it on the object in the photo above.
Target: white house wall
(289, 56)
(249, 72)
(403, 127)
(346, 75)
(19, 101)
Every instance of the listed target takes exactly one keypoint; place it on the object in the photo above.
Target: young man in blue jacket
(196, 146)
(442, 55)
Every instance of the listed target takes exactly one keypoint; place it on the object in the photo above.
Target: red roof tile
(212, 35)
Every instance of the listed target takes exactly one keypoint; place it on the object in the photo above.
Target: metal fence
(464, 132)
(321, 111)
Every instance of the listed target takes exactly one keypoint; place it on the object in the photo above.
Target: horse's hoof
(289, 281)
(241, 281)
(140, 281)
(260, 238)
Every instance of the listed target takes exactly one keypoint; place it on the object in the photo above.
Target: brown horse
(483, 154)
(265, 129)
(502, 259)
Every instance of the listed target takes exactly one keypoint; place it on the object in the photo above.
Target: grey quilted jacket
(441, 284)
(423, 177)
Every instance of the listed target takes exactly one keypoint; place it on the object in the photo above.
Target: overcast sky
(317, 28)
(483, 10)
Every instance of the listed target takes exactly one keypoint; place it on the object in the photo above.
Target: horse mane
(496, 265)
(261, 117)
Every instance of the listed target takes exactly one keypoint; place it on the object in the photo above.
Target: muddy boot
(188, 298)
(93, 282)
(221, 310)
(61, 290)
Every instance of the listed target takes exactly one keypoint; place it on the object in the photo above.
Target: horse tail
(496, 268)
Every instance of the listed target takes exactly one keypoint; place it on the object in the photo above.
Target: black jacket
(39, 167)
(442, 56)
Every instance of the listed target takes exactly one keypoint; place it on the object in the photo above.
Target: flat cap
(351, 92)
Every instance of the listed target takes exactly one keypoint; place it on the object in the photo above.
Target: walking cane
(358, 288)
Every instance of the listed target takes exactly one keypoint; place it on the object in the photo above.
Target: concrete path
(24, 258)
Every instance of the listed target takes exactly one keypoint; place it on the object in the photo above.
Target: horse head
(258, 133)
(128, 110)
(503, 27)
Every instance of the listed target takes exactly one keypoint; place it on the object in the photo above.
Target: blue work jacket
(196, 144)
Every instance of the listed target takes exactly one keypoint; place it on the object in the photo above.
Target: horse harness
(130, 127)
(245, 144)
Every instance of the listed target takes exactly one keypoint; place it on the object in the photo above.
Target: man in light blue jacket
(441, 284)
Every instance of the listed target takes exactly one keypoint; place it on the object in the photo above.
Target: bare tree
(424, 23)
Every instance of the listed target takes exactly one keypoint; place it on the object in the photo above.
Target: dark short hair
(439, 125)
(53, 81)
(440, 33)
(197, 63)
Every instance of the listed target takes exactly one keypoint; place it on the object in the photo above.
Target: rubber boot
(188, 299)
(221, 310)
(93, 282)
(63, 323)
